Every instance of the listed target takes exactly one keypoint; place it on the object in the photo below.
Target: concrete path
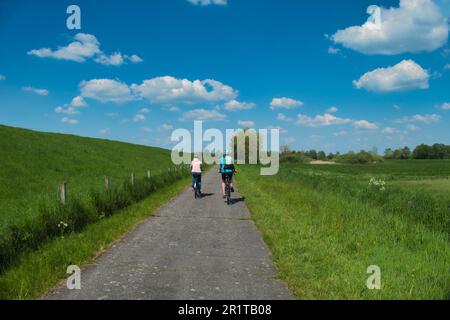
(191, 249)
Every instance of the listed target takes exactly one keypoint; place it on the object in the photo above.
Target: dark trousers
(197, 177)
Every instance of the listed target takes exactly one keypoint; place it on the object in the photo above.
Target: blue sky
(139, 69)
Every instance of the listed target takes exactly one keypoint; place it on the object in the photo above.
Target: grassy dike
(323, 241)
(38, 271)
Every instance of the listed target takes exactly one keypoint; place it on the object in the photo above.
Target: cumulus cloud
(332, 110)
(85, 46)
(406, 75)
(166, 127)
(283, 117)
(412, 127)
(208, 2)
(78, 102)
(144, 110)
(321, 120)
(285, 103)
(427, 118)
(105, 131)
(139, 118)
(204, 115)
(340, 133)
(445, 106)
(69, 120)
(389, 130)
(414, 26)
(246, 123)
(106, 90)
(171, 90)
(66, 110)
(235, 105)
(115, 59)
(333, 50)
(39, 92)
(2, 77)
(134, 58)
(364, 124)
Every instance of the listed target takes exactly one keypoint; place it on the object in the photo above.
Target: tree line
(423, 151)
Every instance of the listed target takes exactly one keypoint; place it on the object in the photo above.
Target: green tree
(321, 156)
(422, 151)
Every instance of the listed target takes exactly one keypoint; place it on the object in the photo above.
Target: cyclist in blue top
(227, 169)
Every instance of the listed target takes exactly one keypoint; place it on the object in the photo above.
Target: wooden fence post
(132, 179)
(63, 192)
(149, 175)
(107, 183)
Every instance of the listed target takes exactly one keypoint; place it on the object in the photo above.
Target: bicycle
(197, 192)
(228, 189)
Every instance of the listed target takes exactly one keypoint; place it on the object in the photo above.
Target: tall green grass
(325, 229)
(55, 219)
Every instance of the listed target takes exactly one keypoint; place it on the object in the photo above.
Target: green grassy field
(35, 163)
(326, 224)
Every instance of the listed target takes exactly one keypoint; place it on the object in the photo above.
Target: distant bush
(362, 157)
(55, 219)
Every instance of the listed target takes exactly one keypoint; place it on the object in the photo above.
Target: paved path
(191, 249)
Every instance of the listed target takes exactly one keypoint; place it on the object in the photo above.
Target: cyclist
(227, 169)
(196, 170)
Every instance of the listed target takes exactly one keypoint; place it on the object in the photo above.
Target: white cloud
(85, 46)
(144, 110)
(66, 110)
(445, 106)
(283, 117)
(115, 59)
(412, 127)
(340, 133)
(208, 2)
(139, 118)
(285, 103)
(2, 77)
(407, 75)
(415, 26)
(333, 50)
(235, 105)
(321, 120)
(166, 127)
(447, 66)
(145, 129)
(332, 110)
(106, 90)
(134, 58)
(40, 92)
(204, 115)
(69, 120)
(78, 102)
(170, 90)
(427, 119)
(112, 114)
(105, 131)
(364, 124)
(389, 130)
(247, 124)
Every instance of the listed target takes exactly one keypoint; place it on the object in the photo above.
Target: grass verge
(323, 242)
(38, 271)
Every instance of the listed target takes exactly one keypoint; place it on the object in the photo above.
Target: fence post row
(63, 192)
